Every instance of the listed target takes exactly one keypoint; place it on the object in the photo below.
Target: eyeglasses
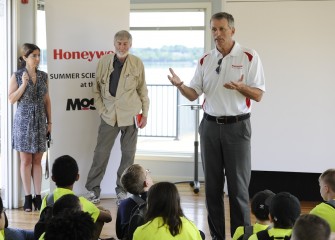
(218, 69)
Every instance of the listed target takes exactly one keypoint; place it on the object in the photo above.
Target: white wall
(293, 126)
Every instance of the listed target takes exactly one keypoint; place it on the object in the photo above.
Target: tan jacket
(131, 95)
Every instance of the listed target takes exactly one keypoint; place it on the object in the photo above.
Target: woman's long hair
(164, 201)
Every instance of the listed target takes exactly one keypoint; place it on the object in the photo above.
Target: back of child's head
(65, 171)
(328, 177)
(258, 205)
(68, 202)
(132, 179)
(164, 201)
(70, 226)
(284, 209)
(311, 227)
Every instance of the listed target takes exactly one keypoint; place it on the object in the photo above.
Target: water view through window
(163, 40)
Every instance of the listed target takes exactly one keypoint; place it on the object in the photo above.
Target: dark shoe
(37, 202)
(28, 203)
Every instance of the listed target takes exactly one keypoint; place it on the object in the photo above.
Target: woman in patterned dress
(29, 88)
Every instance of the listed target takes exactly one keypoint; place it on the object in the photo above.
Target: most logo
(80, 104)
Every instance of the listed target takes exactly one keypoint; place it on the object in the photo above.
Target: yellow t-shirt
(154, 230)
(2, 234)
(2, 226)
(87, 205)
(42, 236)
(276, 232)
(256, 228)
(326, 212)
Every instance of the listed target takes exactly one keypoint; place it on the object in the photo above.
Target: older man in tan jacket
(120, 93)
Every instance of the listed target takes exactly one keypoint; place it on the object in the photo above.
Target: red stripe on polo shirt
(202, 59)
(249, 56)
(248, 102)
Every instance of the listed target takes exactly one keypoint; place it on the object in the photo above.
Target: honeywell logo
(60, 54)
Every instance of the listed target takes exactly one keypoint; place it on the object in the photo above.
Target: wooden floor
(193, 206)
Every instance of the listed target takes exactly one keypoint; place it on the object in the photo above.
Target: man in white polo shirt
(230, 77)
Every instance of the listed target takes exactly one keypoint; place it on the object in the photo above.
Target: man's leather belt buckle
(221, 120)
(227, 119)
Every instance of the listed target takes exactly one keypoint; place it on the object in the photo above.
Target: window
(164, 39)
(167, 39)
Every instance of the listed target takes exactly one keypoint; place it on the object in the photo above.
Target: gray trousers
(226, 153)
(106, 138)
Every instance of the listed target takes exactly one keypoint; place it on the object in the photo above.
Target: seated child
(65, 173)
(70, 225)
(326, 210)
(310, 227)
(261, 212)
(165, 218)
(137, 181)
(284, 209)
(66, 203)
(12, 233)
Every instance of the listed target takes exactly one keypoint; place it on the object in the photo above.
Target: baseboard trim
(180, 167)
(304, 186)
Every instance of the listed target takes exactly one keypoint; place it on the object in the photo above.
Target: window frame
(181, 7)
(149, 7)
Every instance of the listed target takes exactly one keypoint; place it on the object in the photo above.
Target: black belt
(227, 119)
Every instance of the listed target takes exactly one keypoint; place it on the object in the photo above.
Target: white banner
(79, 32)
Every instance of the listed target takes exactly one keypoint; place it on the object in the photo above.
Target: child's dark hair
(284, 210)
(258, 204)
(164, 201)
(26, 50)
(70, 226)
(65, 171)
(68, 202)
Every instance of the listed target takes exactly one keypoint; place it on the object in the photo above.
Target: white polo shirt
(220, 101)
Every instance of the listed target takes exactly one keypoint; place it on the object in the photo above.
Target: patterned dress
(30, 128)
